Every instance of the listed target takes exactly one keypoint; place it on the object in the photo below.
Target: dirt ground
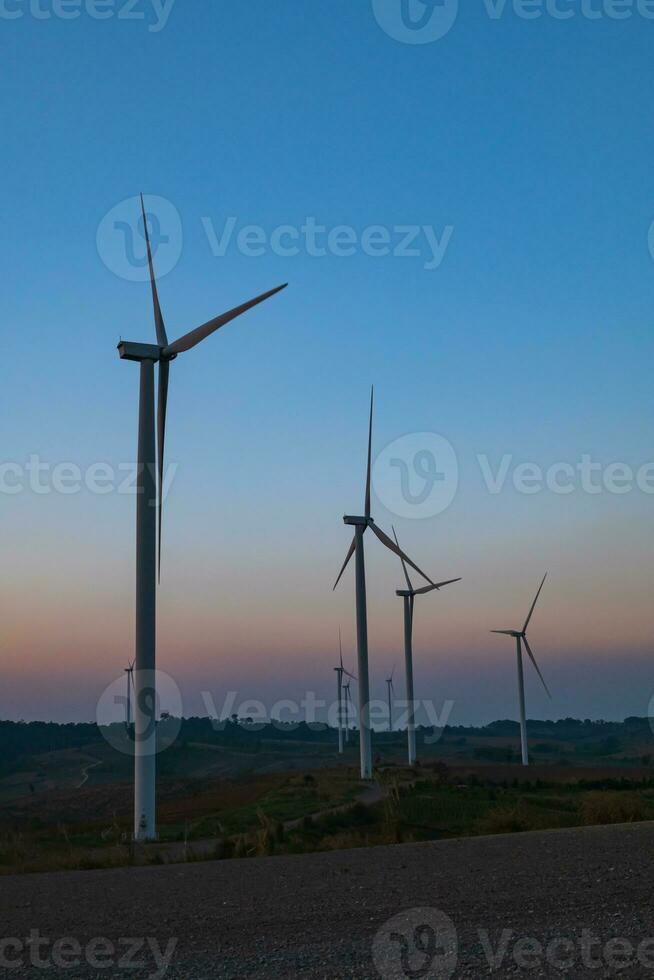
(574, 903)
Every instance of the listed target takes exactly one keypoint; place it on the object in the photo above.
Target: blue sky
(531, 140)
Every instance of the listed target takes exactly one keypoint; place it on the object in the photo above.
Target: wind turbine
(347, 701)
(391, 695)
(408, 596)
(149, 508)
(361, 524)
(521, 637)
(130, 683)
(340, 670)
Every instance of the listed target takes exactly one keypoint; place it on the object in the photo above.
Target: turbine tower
(129, 670)
(391, 695)
(408, 596)
(361, 524)
(149, 507)
(340, 671)
(521, 637)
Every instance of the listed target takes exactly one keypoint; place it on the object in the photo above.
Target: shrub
(599, 808)
(505, 820)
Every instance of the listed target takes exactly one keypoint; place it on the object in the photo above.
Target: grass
(250, 807)
(300, 813)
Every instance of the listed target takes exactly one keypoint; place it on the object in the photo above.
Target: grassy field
(330, 809)
(43, 838)
(239, 792)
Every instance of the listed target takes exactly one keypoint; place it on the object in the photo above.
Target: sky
(460, 199)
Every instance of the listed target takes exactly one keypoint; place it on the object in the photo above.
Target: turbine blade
(385, 540)
(533, 660)
(406, 574)
(533, 605)
(504, 632)
(340, 646)
(439, 585)
(194, 337)
(345, 563)
(162, 339)
(348, 674)
(368, 471)
(164, 374)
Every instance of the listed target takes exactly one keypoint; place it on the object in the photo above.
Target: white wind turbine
(521, 637)
(361, 524)
(148, 528)
(408, 596)
(390, 690)
(129, 670)
(340, 671)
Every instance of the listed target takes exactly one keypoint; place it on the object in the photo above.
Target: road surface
(572, 903)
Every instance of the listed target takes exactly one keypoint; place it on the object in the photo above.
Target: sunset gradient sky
(533, 140)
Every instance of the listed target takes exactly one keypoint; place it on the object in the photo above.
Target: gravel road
(573, 903)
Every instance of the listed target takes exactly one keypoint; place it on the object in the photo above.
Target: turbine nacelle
(130, 351)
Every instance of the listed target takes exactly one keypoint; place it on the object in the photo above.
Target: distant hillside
(20, 741)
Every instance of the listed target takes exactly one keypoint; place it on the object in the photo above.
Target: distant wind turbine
(391, 695)
(130, 683)
(361, 524)
(521, 637)
(149, 508)
(347, 701)
(340, 671)
(408, 596)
